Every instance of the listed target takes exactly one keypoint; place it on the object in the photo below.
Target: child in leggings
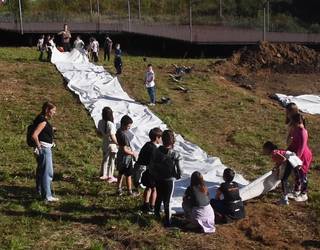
(285, 158)
(165, 167)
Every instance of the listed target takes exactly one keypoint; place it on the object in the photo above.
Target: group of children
(296, 157)
(162, 165)
(45, 44)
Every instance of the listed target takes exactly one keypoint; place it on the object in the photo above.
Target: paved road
(200, 34)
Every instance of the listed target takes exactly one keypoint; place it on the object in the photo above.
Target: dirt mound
(280, 57)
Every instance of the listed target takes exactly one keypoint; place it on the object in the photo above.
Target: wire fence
(228, 13)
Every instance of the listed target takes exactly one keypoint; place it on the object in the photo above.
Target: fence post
(99, 17)
(20, 14)
(190, 20)
(220, 8)
(139, 8)
(264, 24)
(129, 16)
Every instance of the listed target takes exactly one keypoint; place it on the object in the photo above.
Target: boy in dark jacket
(145, 155)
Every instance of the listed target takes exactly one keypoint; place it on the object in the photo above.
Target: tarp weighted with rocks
(96, 89)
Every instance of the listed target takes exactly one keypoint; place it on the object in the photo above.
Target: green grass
(224, 120)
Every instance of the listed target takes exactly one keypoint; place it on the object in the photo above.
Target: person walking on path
(43, 139)
(107, 48)
(66, 36)
(150, 85)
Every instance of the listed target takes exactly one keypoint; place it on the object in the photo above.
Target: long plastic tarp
(97, 89)
(306, 103)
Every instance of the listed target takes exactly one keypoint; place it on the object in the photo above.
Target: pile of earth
(280, 57)
(247, 63)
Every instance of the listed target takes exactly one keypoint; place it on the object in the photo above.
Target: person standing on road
(107, 48)
(66, 36)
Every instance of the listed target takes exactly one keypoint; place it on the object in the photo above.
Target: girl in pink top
(299, 145)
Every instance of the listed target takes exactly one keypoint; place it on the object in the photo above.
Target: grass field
(226, 121)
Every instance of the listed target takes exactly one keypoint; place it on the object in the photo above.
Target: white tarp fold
(306, 103)
(97, 88)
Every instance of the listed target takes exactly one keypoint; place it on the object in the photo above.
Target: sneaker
(120, 192)
(52, 199)
(151, 210)
(104, 178)
(301, 198)
(283, 201)
(293, 195)
(112, 179)
(133, 194)
(151, 104)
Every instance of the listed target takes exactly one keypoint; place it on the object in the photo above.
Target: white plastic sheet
(97, 88)
(306, 103)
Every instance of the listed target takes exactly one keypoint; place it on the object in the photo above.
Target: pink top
(299, 145)
(275, 156)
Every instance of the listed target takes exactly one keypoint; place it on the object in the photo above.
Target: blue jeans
(44, 173)
(152, 94)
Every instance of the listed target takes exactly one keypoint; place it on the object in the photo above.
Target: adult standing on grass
(94, 49)
(66, 36)
(150, 85)
(43, 138)
(165, 168)
(118, 59)
(107, 48)
(107, 129)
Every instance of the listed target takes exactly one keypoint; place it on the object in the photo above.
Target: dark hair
(269, 146)
(297, 119)
(292, 108)
(149, 65)
(47, 106)
(228, 175)
(168, 138)
(197, 181)
(155, 133)
(107, 114)
(125, 121)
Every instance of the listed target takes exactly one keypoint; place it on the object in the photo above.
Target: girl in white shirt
(107, 129)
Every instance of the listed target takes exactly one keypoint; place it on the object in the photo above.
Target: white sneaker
(293, 195)
(52, 199)
(151, 104)
(283, 202)
(301, 198)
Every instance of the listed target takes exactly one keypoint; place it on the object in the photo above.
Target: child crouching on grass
(282, 158)
(231, 206)
(125, 155)
(145, 155)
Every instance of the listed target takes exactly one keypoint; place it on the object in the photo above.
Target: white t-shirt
(150, 79)
(106, 129)
(95, 46)
(78, 44)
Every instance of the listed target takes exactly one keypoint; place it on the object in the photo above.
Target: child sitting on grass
(196, 205)
(125, 155)
(231, 206)
(145, 155)
(282, 158)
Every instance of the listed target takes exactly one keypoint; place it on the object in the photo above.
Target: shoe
(104, 178)
(151, 210)
(52, 199)
(293, 195)
(151, 104)
(301, 198)
(120, 192)
(112, 179)
(133, 194)
(283, 202)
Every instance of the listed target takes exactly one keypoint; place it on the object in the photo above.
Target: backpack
(30, 130)
(163, 166)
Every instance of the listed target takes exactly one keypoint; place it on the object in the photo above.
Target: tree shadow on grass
(311, 243)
